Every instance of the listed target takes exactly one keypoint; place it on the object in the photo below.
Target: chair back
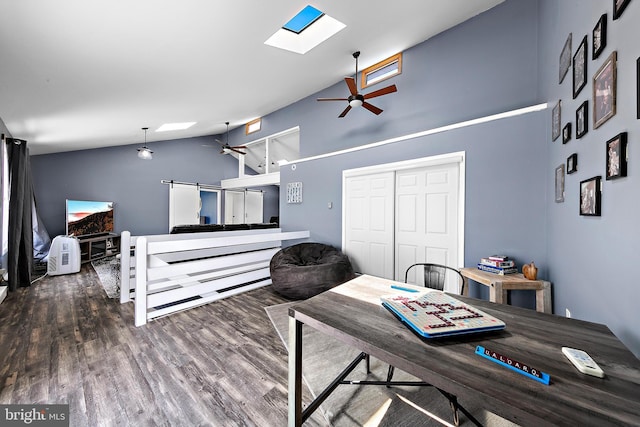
(435, 276)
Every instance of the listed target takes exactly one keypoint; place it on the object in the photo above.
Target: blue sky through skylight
(303, 19)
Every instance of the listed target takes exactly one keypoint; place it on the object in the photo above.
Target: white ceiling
(79, 74)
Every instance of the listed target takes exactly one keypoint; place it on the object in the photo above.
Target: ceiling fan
(357, 99)
(226, 147)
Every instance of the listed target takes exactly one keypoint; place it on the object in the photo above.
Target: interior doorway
(243, 207)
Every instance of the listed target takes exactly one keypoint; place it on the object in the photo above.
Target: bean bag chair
(308, 269)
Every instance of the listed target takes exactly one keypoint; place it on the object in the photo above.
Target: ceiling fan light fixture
(144, 152)
(355, 101)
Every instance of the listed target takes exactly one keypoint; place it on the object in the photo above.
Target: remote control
(583, 362)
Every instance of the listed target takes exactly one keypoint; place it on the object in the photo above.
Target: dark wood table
(352, 313)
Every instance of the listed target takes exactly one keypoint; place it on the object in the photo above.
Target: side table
(499, 286)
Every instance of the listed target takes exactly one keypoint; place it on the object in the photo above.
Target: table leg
(543, 298)
(295, 372)
(497, 294)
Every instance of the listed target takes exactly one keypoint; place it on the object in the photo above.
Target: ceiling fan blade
(333, 99)
(237, 151)
(238, 146)
(380, 92)
(375, 110)
(351, 82)
(346, 110)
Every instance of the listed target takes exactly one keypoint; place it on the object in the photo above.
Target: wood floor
(63, 341)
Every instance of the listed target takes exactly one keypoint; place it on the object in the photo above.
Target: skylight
(305, 30)
(303, 19)
(175, 126)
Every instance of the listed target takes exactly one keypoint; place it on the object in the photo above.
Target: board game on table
(436, 314)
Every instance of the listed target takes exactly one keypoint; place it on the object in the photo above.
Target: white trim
(275, 135)
(272, 178)
(512, 113)
(441, 159)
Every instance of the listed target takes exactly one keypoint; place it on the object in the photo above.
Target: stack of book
(498, 264)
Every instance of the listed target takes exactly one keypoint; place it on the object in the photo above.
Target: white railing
(174, 272)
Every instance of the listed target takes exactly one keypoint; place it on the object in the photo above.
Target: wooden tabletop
(352, 313)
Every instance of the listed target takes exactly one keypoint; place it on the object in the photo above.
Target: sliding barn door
(369, 223)
(184, 205)
(427, 212)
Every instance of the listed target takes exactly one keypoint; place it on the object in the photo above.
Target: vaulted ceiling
(80, 74)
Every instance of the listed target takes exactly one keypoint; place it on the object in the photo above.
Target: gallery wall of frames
(596, 108)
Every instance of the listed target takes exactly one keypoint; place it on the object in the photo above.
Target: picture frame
(565, 59)
(572, 163)
(560, 184)
(580, 67)
(582, 123)
(618, 7)
(604, 91)
(566, 133)
(599, 37)
(591, 196)
(638, 88)
(616, 157)
(555, 121)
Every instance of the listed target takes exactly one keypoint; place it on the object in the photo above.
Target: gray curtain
(20, 254)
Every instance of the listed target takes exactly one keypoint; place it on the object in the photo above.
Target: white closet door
(427, 219)
(253, 207)
(369, 223)
(184, 205)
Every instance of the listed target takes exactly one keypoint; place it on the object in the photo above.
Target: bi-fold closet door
(395, 218)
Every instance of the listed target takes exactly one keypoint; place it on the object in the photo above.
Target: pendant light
(144, 153)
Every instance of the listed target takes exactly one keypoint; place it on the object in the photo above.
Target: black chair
(435, 276)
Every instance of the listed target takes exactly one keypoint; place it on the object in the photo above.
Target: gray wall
(591, 260)
(116, 174)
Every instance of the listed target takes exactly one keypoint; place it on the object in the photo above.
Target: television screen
(86, 217)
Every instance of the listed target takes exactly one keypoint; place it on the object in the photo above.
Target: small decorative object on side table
(530, 271)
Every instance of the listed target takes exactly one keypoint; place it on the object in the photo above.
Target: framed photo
(560, 184)
(572, 163)
(555, 121)
(580, 67)
(565, 59)
(617, 156)
(582, 124)
(599, 37)
(604, 91)
(566, 133)
(638, 88)
(618, 7)
(590, 196)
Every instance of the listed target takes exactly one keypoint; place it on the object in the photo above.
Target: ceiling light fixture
(144, 153)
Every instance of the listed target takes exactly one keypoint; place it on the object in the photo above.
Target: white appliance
(64, 256)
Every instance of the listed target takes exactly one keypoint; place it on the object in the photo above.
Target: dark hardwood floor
(63, 341)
